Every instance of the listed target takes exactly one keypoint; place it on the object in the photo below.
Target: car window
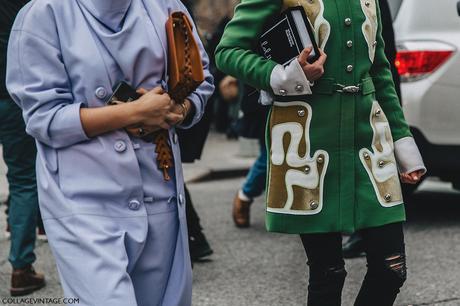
(394, 7)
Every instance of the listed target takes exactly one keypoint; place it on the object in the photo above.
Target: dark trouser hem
(193, 220)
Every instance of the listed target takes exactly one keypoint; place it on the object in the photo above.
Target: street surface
(251, 267)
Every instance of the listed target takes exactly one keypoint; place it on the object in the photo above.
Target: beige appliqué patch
(315, 11)
(370, 26)
(380, 163)
(296, 179)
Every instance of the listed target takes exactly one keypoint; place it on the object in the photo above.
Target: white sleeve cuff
(289, 80)
(408, 156)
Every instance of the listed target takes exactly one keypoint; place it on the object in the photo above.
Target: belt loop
(367, 86)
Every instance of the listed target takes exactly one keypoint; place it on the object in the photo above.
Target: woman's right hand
(315, 70)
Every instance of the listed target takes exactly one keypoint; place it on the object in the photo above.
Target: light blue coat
(64, 55)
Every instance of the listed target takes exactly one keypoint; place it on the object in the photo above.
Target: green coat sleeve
(385, 88)
(235, 55)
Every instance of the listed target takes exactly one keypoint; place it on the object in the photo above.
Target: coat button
(299, 88)
(381, 163)
(320, 160)
(349, 68)
(120, 146)
(101, 92)
(306, 170)
(134, 204)
(283, 92)
(348, 22)
(367, 3)
(374, 44)
(349, 43)
(301, 113)
(367, 156)
(378, 112)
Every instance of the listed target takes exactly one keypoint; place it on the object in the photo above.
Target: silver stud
(314, 205)
(348, 22)
(320, 159)
(301, 112)
(367, 3)
(349, 43)
(381, 163)
(299, 88)
(374, 43)
(307, 169)
(378, 112)
(387, 197)
(349, 68)
(283, 92)
(367, 156)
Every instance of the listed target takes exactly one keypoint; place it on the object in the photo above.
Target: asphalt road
(254, 268)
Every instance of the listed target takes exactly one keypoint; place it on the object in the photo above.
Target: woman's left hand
(412, 178)
(182, 109)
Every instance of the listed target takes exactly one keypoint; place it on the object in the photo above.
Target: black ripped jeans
(386, 267)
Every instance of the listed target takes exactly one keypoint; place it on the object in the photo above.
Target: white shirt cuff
(408, 156)
(289, 80)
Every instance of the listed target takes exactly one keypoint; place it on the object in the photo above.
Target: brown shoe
(241, 212)
(25, 281)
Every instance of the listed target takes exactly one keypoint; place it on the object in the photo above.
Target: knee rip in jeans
(397, 264)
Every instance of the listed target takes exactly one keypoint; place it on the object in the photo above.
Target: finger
(322, 59)
(165, 126)
(132, 131)
(173, 117)
(151, 128)
(157, 90)
(142, 91)
(303, 56)
(404, 178)
(414, 176)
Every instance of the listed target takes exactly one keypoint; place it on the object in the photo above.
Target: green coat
(332, 163)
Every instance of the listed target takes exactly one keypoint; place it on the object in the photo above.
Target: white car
(427, 36)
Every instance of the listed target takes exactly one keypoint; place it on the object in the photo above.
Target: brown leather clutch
(185, 68)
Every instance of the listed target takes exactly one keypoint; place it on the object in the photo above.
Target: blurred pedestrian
(354, 246)
(225, 98)
(41, 234)
(191, 147)
(19, 153)
(114, 217)
(337, 137)
(252, 125)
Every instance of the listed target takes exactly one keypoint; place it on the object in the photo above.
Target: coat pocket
(380, 163)
(296, 179)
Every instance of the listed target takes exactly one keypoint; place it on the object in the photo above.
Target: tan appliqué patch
(370, 26)
(296, 179)
(315, 11)
(380, 163)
